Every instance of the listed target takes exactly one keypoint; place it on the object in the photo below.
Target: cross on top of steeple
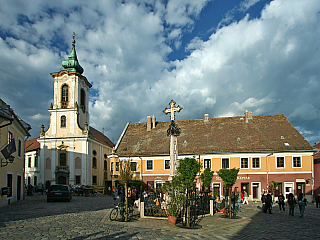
(172, 109)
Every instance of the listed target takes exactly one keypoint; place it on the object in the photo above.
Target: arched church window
(83, 100)
(48, 163)
(64, 95)
(77, 163)
(94, 162)
(63, 121)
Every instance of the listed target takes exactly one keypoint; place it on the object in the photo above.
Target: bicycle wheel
(113, 214)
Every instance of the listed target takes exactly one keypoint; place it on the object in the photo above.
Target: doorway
(301, 186)
(216, 189)
(256, 190)
(245, 187)
(62, 180)
(288, 188)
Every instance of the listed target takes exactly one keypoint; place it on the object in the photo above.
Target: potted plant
(175, 199)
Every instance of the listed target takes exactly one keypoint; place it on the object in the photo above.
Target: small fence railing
(200, 205)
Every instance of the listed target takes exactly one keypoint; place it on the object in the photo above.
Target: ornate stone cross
(173, 132)
(172, 109)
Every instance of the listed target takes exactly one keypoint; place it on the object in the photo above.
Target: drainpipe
(268, 170)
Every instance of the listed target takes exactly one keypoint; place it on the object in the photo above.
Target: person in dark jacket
(302, 200)
(263, 200)
(317, 200)
(291, 203)
(281, 199)
(269, 202)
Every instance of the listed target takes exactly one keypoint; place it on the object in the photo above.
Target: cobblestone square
(88, 218)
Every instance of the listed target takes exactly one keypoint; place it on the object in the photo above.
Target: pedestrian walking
(263, 200)
(318, 200)
(302, 200)
(115, 194)
(269, 203)
(291, 202)
(281, 199)
(238, 199)
(109, 190)
(245, 196)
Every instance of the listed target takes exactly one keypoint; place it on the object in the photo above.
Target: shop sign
(238, 178)
(300, 180)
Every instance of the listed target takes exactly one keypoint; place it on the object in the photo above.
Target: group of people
(291, 202)
(236, 200)
(30, 190)
(118, 193)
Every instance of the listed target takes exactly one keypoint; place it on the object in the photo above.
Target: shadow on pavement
(37, 206)
(279, 225)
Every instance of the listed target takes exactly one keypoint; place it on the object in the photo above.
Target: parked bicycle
(119, 212)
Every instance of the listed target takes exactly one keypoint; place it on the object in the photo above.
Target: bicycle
(120, 210)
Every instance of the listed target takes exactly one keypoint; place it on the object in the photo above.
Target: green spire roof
(72, 63)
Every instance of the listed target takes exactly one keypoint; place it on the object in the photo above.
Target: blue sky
(219, 57)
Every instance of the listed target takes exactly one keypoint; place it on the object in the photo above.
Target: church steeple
(72, 63)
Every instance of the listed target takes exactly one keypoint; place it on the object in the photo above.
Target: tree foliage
(125, 175)
(206, 177)
(175, 190)
(187, 171)
(228, 176)
(183, 180)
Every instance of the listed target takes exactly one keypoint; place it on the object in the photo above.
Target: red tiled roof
(317, 147)
(229, 134)
(32, 144)
(100, 137)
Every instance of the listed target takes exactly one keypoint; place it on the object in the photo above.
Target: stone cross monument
(173, 132)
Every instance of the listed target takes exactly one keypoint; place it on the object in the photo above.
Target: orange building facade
(265, 149)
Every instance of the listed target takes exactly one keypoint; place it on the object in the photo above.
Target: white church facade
(70, 151)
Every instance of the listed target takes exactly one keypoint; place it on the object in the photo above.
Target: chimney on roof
(153, 121)
(148, 123)
(247, 115)
(206, 117)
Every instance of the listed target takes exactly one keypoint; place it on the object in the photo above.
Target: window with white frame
(29, 162)
(244, 163)
(255, 162)
(166, 164)
(133, 166)
(35, 161)
(225, 163)
(297, 162)
(206, 163)
(63, 121)
(112, 166)
(149, 164)
(280, 162)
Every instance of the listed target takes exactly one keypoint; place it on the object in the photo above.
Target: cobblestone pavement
(88, 218)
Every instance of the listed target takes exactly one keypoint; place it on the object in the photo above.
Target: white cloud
(124, 49)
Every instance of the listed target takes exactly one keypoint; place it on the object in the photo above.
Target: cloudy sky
(218, 57)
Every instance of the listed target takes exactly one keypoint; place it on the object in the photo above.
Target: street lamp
(5, 162)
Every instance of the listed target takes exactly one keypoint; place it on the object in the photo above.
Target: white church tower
(70, 151)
